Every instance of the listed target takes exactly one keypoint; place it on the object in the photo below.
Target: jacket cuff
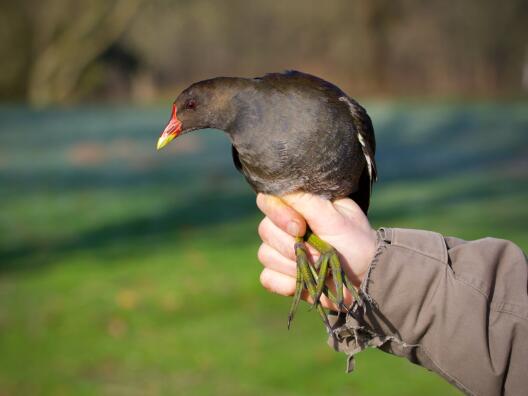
(366, 324)
(350, 334)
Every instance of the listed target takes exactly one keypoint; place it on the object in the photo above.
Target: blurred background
(124, 271)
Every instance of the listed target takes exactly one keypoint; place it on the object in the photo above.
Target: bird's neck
(232, 99)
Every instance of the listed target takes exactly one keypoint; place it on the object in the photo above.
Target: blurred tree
(68, 36)
(62, 38)
(56, 50)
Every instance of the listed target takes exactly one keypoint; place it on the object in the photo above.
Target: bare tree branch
(58, 66)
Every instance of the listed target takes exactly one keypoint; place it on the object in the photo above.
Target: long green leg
(352, 289)
(305, 277)
(313, 279)
(321, 276)
(304, 266)
(337, 276)
(296, 296)
(335, 266)
(326, 291)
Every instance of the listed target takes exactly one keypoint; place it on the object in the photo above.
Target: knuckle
(293, 199)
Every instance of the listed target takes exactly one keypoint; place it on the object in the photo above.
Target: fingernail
(293, 228)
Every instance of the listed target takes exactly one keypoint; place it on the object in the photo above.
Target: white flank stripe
(360, 138)
(369, 164)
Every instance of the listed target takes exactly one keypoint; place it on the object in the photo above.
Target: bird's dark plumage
(290, 132)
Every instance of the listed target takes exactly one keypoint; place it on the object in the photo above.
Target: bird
(290, 132)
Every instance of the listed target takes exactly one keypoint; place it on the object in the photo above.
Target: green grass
(124, 271)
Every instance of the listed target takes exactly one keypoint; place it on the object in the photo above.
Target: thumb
(318, 212)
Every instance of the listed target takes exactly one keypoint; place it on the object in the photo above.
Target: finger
(275, 261)
(277, 282)
(281, 214)
(318, 212)
(277, 238)
(281, 241)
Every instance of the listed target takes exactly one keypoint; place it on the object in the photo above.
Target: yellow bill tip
(163, 141)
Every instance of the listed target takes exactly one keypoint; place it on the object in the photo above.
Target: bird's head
(206, 104)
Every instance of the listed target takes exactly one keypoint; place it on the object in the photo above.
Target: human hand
(340, 223)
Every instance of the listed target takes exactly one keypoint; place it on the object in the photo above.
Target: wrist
(369, 250)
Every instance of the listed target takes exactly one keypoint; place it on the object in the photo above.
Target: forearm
(458, 308)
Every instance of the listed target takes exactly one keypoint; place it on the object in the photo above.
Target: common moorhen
(290, 132)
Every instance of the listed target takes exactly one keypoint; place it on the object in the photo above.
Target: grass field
(129, 272)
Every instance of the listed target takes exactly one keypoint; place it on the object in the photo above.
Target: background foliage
(64, 50)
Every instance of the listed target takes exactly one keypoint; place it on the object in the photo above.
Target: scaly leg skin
(297, 295)
(324, 289)
(329, 258)
(305, 279)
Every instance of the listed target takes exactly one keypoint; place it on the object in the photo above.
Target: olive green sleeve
(457, 308)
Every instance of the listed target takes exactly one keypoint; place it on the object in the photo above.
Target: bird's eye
(190, 104)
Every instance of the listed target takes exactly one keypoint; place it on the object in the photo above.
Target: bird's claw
(313, 278)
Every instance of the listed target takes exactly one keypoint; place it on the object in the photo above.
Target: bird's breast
(302, 145)
(279, 166)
